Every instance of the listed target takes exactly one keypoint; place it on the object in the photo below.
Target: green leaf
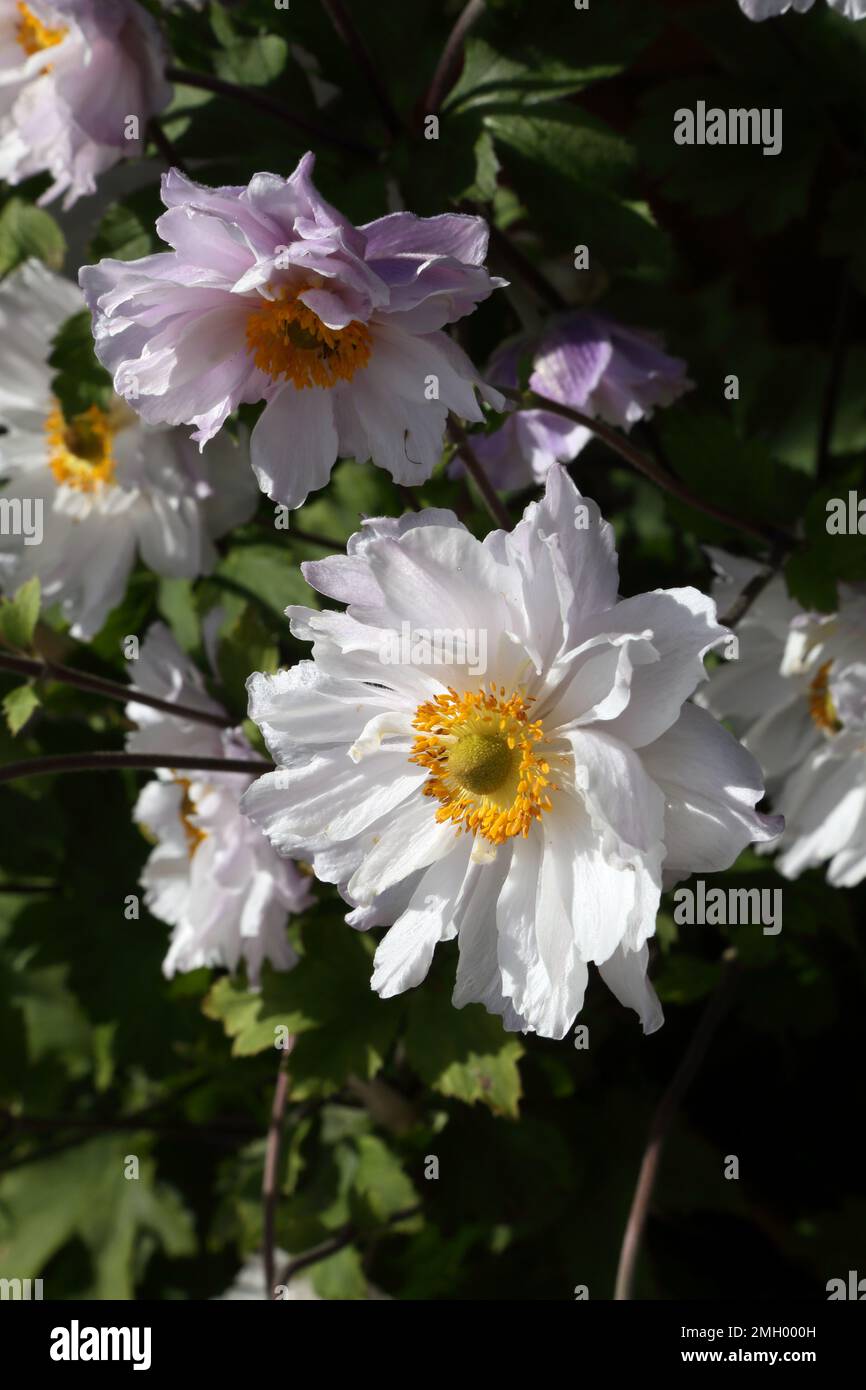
(491, 78)
(176, 602)
(20, 614)
(342, 1028)
(268, 573)
(353, 1039)
(824, 559)
(253, 1018)
(379, 1182)
(341, 1276)
(251, 61)
(55, 1024)
(704, 450)
(221, 23)
(682, 979)
(566, 142)
(487, 166)
(356, 490)
(18, 706)
(602, 38)
(132, 615)
(83, 1193)
(812, 586)
(247, 645)
(28, 231)
(594, 169)
(80, 380)
(464, 1053)
(125, 232)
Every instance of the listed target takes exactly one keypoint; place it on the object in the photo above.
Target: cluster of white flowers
(108, 487)
(533, 812)
(797, 697)
(212, 876)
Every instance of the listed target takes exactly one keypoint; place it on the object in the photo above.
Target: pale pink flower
(270, 294)
(79, 80)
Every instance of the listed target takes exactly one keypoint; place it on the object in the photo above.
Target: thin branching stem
(39, 669)
(446, 69)
(467, 455)
(270, 106)
(157, 134)
(337, 1242)
(271, 1172)
(661, 1124)
(351, 36)
(112, 762)
(643, 463)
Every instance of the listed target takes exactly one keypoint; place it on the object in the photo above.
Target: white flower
(797, 696)
(109, 487)
(530, 811)
(768, 9)
(212, 876)
(79, 80)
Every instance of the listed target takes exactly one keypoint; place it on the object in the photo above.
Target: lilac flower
(79, 80)
(272, 294)
(586, 361)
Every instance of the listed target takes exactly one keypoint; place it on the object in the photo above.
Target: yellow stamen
(33, 35)
(821, 706)
(481, 752)
(194, 834)
(288, 340)
(81, 452)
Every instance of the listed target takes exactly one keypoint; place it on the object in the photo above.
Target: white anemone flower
(797, 697)
(489, 745)
(103, 487)
(212, 876)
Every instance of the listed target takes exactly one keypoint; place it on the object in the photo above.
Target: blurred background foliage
(559, 129)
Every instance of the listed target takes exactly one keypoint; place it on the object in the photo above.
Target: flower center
(194, 834)
(821, 706)
(482, 763)
(33, 35)
(81, 454)
(288, 340)
(486, 769)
